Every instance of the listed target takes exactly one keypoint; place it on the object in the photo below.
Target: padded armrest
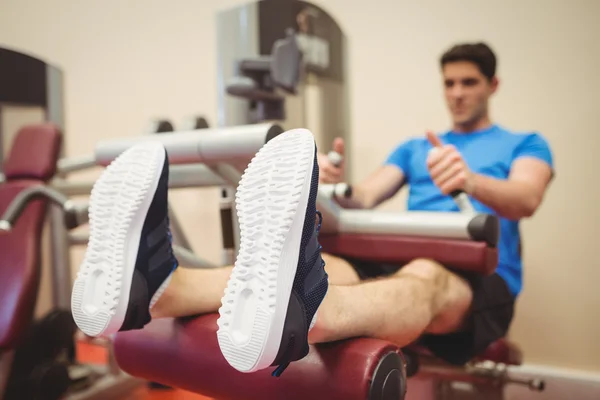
(185, 354)
(460, 254)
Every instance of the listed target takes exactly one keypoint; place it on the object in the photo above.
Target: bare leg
(198, 291)
(192, 291)
(422, 297)
(339, 271)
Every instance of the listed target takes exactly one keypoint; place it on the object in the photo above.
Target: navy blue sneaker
(129, 259)
(278, 281)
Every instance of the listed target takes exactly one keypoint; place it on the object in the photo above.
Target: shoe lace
(287, 356)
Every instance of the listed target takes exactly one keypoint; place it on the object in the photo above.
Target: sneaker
(278, 281)
(129, 259)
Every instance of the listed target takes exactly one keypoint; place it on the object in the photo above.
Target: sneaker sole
(119, 202)
(271, 203)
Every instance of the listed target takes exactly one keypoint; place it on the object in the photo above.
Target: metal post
(61, 258)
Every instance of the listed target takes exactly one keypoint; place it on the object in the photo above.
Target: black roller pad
(485, 228)
(389, 379)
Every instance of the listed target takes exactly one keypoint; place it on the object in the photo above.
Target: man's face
(467, 91)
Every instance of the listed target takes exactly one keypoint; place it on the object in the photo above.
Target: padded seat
(469, 255)
(185, 353)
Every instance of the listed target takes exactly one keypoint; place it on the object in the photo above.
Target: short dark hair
(479, 54)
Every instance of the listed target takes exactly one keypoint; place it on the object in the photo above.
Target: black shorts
(491, 315)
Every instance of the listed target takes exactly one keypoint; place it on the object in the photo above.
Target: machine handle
(74, 216)
(462, 201)
(342, 189)
(335, 158)
(345, 190)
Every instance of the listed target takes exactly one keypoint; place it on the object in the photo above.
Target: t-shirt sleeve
(536, 146)
(400, 157)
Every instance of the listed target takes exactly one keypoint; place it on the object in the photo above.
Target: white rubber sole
(271, 203)
(119, 202)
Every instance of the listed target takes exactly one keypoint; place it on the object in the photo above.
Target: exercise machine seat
(184, 353)
(32, 161)
(477, 257)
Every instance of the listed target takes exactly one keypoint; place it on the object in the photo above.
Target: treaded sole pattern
(271, 203)
(119, 202)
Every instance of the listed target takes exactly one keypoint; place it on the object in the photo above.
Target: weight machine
(32, 109)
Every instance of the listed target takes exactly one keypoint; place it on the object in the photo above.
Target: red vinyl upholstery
(34, 153)
(185, 354)
(466, 255)
(463, 254)
(21, 247)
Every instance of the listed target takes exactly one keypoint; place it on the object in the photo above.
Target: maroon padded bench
(31, 161)
(467, 255)
(184, 353)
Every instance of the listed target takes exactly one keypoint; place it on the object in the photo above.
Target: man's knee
(452, 294)
(424, 268)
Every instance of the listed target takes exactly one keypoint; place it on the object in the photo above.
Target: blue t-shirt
(490, 152)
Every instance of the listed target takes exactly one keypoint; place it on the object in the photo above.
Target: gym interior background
(128, 62)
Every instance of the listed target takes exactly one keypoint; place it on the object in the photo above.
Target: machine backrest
(34, 153)
(32, 161)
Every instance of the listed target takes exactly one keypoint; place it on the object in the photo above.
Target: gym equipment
(30, 162)
(32, 92)
(160, 126)
(283, 62)
(351, 369)
(207, 146)
(194, 123)
(32, 96)
(41, 364)
(43, 359)
(227, 212)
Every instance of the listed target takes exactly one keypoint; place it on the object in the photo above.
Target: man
(278, 297)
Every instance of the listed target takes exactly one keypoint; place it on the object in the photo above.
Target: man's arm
(381, 185)
(516, 197)
(521, 194)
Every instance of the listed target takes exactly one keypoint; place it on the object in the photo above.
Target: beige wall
(126, 62)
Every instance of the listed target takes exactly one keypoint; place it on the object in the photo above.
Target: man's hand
(328, 172)
(447, 168)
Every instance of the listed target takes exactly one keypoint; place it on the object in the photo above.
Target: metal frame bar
(73, 164)
(484, 379)
(180, 176)
(211, 145)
